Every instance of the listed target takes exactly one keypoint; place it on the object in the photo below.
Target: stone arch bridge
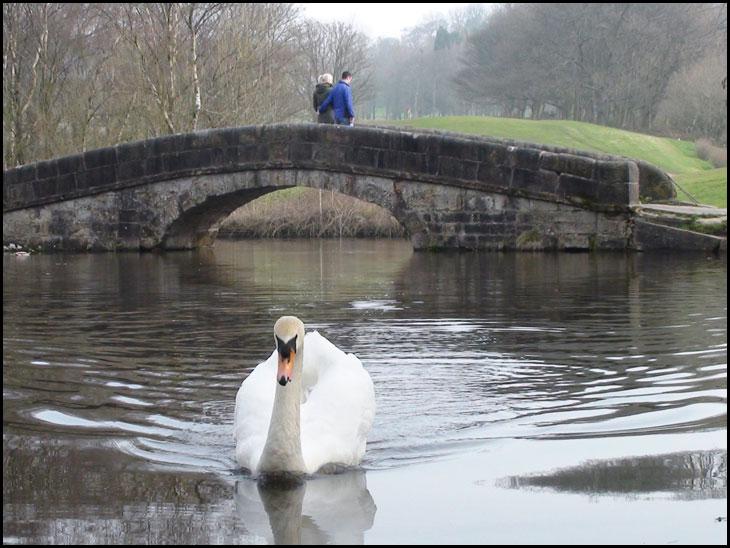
(448, 190)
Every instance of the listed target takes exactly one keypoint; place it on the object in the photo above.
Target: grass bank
(707, 187)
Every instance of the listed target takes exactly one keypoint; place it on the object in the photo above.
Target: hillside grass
(707, 187)
(676, 157)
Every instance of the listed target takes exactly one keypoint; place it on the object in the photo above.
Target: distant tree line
(81, 76)
(418, 74)
(636, 66)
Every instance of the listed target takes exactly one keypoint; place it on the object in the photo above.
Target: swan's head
(289, 338)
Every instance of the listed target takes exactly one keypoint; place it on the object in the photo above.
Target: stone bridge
(448, 190)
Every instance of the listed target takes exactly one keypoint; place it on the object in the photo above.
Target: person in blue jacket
(341, 98)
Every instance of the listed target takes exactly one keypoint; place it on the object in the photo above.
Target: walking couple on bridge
(334, 105)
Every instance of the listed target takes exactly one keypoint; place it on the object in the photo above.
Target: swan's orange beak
(286, 366)
(287, 351)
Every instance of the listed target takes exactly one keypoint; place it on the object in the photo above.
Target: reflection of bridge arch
(447, 190)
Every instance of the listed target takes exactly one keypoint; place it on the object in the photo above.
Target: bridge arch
(447, 190)
(210, 199)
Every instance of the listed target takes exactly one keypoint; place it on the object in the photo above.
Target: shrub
(717, 156)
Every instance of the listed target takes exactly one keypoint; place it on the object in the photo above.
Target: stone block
(66, 184)
(277, 133)
(198, 140)
(618, 194)
(648, 236)
(580, 166)
(128, 216)
(45, 188)
(131, 171)
(577, 189)
(362, 156)
(70, 164)
(222, 137)
(132, 152)
(166, 145)
(326, 155)
(493, 155)
(278, 153)
(47, 169)
(539, 181)
(455, 168)
(100, 157)
(248, 135)
(10, 182)
(494, 176)
(523, 158)
(252, 154)
(301, 152)
(617, 172)
(462, 149)
(27, 173)
(407, 142)
(96, 178)
(196, 159)
(654, 182)
(129, 231)
(373, 138)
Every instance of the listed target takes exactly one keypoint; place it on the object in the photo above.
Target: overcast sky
(377, 20)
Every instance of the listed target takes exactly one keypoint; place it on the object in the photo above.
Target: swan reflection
(323, 509)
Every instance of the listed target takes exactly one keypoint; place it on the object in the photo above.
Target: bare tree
(417, 74)
(603, 63)
(695, 104)
(25, 39)
(333, 48)
(197, 16)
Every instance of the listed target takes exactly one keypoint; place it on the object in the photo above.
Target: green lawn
(676, 157)
(707, 187)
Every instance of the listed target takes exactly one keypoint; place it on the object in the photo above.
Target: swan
(309, 406)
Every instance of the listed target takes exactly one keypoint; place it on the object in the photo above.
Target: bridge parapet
(654, 183)
(509, 168)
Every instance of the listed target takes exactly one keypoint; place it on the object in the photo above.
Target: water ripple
(148, 354)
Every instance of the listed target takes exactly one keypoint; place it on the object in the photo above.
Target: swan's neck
(283, 448)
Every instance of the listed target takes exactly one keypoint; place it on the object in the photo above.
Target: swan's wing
(252, 415)
(340, 407)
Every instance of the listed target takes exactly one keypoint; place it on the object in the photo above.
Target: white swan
(307, 406)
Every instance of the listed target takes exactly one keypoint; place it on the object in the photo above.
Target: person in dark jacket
(341, 98)
(321, 92)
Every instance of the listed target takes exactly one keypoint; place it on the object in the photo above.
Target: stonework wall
(448, 191)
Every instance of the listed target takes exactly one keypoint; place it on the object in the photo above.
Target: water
(522, 398)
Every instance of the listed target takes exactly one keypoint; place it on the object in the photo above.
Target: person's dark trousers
(342, 121)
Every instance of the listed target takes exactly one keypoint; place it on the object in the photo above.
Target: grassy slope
(707, 187)
(676, 157)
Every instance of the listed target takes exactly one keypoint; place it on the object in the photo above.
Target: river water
(521, 398)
